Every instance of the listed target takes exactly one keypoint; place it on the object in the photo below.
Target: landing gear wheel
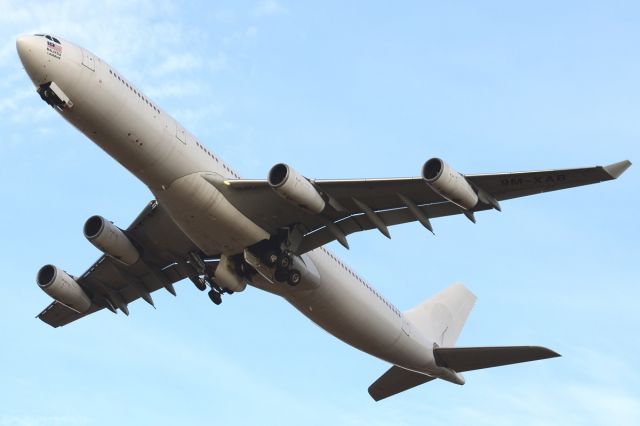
(199, 282)
(215, 297)
(294, 277)
(284, 261)
(281, 275)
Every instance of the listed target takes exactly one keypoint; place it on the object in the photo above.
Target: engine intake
(295, 188)
(61, 287)
(444, 180)
(110, 239)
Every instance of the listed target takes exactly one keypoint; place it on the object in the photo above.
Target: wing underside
(352, 206)
(355, 205)
(113, 285)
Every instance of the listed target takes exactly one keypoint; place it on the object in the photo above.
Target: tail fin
(442, 317)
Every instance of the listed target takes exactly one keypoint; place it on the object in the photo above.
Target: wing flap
(360, 222)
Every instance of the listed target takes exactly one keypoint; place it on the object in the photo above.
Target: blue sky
(357, 90)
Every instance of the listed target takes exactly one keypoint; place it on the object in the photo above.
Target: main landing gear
(204, 279)
(286, 270)
(215, 296)
(215, 292)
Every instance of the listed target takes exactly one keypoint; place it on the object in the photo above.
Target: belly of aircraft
(207, 217)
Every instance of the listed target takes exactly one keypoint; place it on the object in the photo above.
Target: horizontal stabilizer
(396, 380)
(467, 359)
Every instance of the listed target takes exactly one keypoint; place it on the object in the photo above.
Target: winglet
(616, 169)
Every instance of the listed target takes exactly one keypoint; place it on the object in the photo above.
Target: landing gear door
(88, 60)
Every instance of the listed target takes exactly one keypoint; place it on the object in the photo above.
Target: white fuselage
(171, 162)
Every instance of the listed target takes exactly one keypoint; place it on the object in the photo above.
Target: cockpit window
(48, 37)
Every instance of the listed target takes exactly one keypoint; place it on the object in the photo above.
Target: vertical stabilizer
(442, 317)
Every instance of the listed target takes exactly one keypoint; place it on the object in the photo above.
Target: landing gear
(285, 270)
(276, 259)
(215, 296)
(270, 257)
(199, 282)
(284, 261)
(294, 277)
(205, 271)
(281, 275)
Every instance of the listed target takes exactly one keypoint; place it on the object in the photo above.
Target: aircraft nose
(26, 46)
(30, 50)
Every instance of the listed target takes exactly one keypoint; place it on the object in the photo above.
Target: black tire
(199, 283)
(281, 275)
(284, 261)
(294, 277)
(215, 297)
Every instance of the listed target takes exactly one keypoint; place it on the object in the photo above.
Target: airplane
(222, 232)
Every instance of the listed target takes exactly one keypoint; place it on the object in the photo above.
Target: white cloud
(178, 62)
(192, 117)
(144, 41)
(269, 8)
(219, 62)
(174, 89)
(252, 31)
(12, 102)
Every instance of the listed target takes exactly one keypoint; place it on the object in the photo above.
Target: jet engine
(295, 188)
(449, 183)
(227, 275)
(110, 239)
(61, 287)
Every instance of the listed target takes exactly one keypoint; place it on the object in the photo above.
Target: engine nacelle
(450, 184)
(295, 188)
(61, 287)
(227, 275)
(110, 239)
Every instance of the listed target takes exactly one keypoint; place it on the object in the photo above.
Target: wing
(354, 205)
(113, 285)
